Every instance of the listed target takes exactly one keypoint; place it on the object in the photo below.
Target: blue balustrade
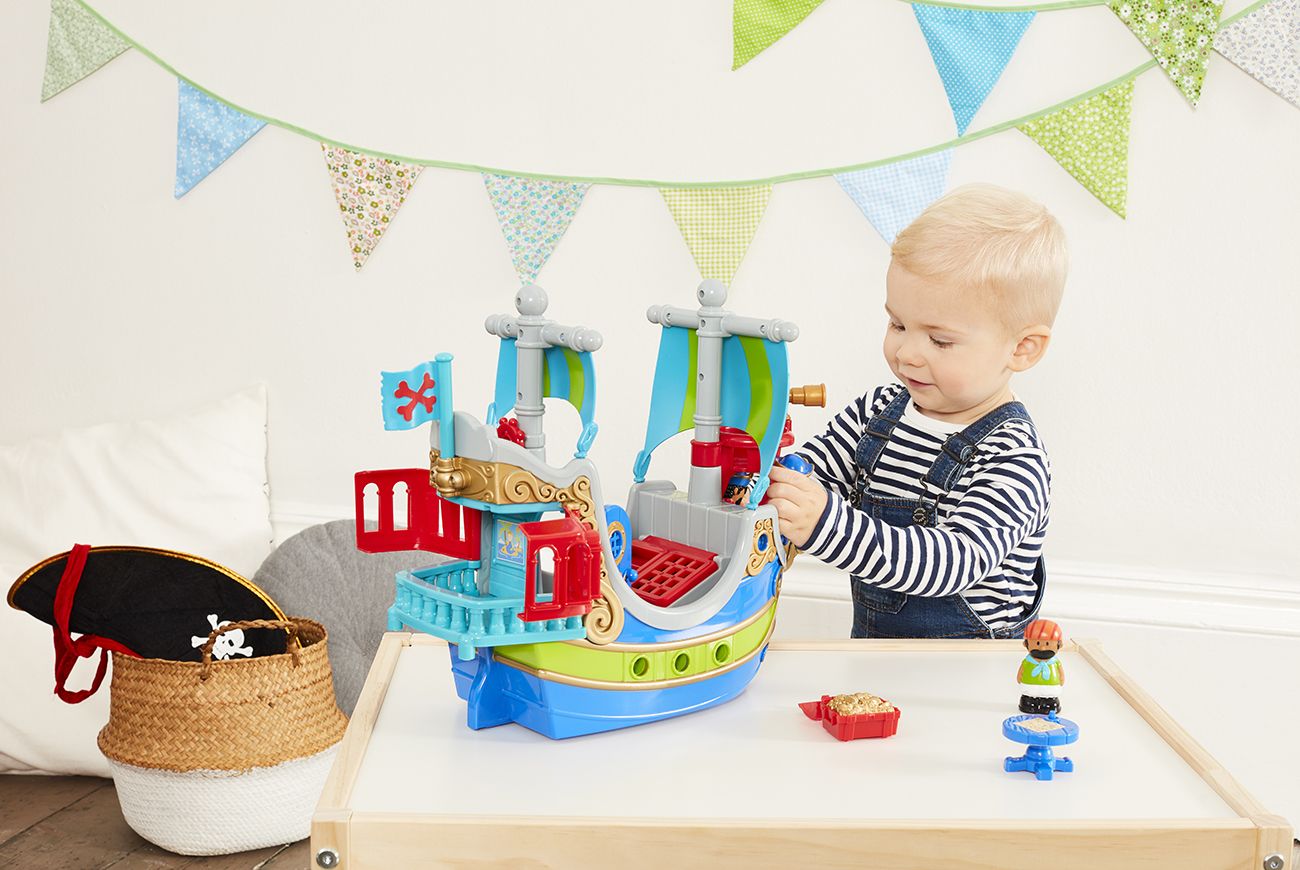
(444, 601)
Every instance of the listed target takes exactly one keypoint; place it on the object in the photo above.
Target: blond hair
(994, 242)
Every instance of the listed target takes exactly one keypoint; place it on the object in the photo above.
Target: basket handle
(293, 646)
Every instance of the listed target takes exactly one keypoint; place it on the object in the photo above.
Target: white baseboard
(816, 597)
(1118, 594)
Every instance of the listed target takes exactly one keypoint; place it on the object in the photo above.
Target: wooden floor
(75, 823)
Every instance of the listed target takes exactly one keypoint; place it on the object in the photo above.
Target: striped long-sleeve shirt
(989, 530)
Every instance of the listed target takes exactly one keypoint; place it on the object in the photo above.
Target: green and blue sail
(566, 374)
(754, 389)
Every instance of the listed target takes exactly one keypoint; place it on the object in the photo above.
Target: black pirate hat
(142, 602)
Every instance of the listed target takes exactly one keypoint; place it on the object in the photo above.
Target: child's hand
(799, 501)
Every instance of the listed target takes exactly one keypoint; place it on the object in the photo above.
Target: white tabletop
(759, 757)
(1236, 694)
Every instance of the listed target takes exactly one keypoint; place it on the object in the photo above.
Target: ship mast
(712, 324)
(533, 334)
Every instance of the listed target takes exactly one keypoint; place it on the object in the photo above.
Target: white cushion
(195, 483)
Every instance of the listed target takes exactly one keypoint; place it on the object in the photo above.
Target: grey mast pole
(712, 324)
(533, 334)
(705, 485)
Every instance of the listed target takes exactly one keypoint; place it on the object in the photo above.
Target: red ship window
(573, 552)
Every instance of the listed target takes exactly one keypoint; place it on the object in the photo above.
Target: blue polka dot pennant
(970, 49)
(207, 132)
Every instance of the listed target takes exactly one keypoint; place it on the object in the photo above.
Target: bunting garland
(79, 44)
(718, 224)
(1178, 33)
(970, 49)
(756, 24)
(369, 191)
(207, 132)
(1266, 45)
(1089, 138)
(534, 214)
(891, 196)
(1088, 135)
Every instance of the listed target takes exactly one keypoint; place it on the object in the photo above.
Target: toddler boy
(933, 492)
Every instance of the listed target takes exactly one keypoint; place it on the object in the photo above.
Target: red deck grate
(667, 570)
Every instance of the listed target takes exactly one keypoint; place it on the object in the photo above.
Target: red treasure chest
(575, 580)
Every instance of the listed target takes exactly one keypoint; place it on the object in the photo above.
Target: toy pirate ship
(565, 613)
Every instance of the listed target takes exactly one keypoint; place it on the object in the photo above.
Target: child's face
(952, 353)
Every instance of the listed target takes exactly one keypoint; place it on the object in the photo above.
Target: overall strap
(878, 431)
(959, 449)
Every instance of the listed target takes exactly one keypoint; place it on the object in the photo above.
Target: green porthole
(722, 653)
(681, 663)
(640, 667)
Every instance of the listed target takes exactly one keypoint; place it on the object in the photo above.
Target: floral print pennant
(1178, 33)
(79, 44)
(369, 191)
(534, 214)
(1266, 45)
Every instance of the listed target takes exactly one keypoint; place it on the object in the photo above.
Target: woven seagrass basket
(215, 757)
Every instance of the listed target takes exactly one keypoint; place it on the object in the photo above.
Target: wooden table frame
(360, 840)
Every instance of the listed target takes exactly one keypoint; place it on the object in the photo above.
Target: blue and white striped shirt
(989, 530)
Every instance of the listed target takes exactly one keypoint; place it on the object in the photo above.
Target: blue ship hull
(496, 693)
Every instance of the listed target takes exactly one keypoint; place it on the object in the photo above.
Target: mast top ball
(712, 293)
(531, 300)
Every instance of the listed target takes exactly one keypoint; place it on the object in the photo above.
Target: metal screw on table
(329, 858)
(1274, 862)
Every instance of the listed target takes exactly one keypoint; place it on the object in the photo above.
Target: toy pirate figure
(737, 489)
(1041, 674)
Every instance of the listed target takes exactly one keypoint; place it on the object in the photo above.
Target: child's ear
(1030, 347)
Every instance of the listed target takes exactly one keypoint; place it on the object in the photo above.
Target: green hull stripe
(613, 665)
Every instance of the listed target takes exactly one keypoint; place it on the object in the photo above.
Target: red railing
(432, 523)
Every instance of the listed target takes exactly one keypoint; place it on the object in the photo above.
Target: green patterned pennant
(80, 43)
(1178, 33)
(756, 24)
(1090, 139)
(718, 224)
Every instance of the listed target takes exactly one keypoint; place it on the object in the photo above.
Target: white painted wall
(1167, 399)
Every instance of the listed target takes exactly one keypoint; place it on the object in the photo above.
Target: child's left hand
(799, 501)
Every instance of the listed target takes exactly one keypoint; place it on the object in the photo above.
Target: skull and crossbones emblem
(228, 644)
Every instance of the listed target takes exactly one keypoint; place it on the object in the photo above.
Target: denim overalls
(884, 612)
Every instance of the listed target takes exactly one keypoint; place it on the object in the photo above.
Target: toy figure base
(1039, 706)
(496, 693)
(1040, 761)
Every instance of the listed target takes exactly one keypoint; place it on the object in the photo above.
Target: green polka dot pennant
(1090, 139)
(369, 191)
(756, 24)
(534, 214)
(79, 44)
(1178, 33)
(718, 224)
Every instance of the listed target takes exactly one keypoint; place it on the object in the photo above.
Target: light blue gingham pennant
(891, 196)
